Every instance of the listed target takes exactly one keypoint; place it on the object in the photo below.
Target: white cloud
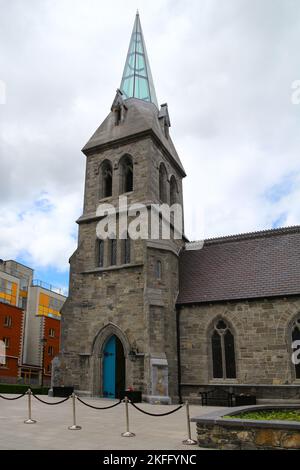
(226, 70)
(44, 233)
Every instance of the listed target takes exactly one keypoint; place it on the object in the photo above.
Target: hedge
(20, 388)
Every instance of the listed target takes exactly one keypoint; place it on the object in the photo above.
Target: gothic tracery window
(223, 351)
(296, 337)
(105, 180)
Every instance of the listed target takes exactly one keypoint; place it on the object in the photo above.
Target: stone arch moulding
(105, 332)
(97, 355)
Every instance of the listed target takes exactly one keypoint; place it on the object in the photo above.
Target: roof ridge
(254, 234)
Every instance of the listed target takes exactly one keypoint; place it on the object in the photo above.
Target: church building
(168, 317)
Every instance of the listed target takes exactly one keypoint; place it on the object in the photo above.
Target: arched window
(223, 351)
(126, 174)
(163, 180)
(100, 253)
(296, 337)
(173, 190)
(105, 179)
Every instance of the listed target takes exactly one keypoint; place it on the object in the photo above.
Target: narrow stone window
(105, 180)
(223, 351)
(126, 250)
(118, 115)
(126, 174)
(113, 251)
(158, 269)
(100, 253)
(173, 190)
(296, 337)
(163, 181)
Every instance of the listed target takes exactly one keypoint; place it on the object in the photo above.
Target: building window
(118, 115)
(50, 351)
(100, 253)
(163, 183)
(296, 337)
(52, 332)
(113, 251)
(126, 247)
(49, 368)
(105, 180)
(126, 174)
(8, 321)
(6, 341)
(23, 303)
(158, 269)
(173, 190)
(223, 351)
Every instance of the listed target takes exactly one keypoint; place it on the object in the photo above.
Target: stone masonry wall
(262, 341)
(243, 438)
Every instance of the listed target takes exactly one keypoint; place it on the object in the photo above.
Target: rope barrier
(99, 407)
(49, 403)
(14, 398)
(127, 433)
(155, 414)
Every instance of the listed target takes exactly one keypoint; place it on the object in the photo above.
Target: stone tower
(118, 323)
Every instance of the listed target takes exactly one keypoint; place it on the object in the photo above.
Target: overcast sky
(226, 70)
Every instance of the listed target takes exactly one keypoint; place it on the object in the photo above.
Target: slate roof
(140, 118)
(246, 266)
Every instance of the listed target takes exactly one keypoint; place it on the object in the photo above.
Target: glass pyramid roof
(137, 81)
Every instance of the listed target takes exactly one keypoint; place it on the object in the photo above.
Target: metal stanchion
(74, 426)
(189, 441)
(127, 433)
(29, 420)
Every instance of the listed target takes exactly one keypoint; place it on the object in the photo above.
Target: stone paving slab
(100, 429)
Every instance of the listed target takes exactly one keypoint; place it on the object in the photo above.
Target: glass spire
(137, 81)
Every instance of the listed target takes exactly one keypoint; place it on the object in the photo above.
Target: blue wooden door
(109, 368)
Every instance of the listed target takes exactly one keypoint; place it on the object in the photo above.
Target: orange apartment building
(38, 305)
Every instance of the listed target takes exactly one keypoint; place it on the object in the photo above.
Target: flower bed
(255, 427)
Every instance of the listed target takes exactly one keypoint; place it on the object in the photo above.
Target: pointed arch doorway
(113, 368)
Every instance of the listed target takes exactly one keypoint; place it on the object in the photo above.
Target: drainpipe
(178, 353)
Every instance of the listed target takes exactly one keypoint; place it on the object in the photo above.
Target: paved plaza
(101, 429)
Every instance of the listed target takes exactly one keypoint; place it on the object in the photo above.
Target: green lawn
(279, 415)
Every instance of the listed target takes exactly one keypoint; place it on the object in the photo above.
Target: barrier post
(29, 420)
(74, 426)
(189, 441)
(127, 433)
